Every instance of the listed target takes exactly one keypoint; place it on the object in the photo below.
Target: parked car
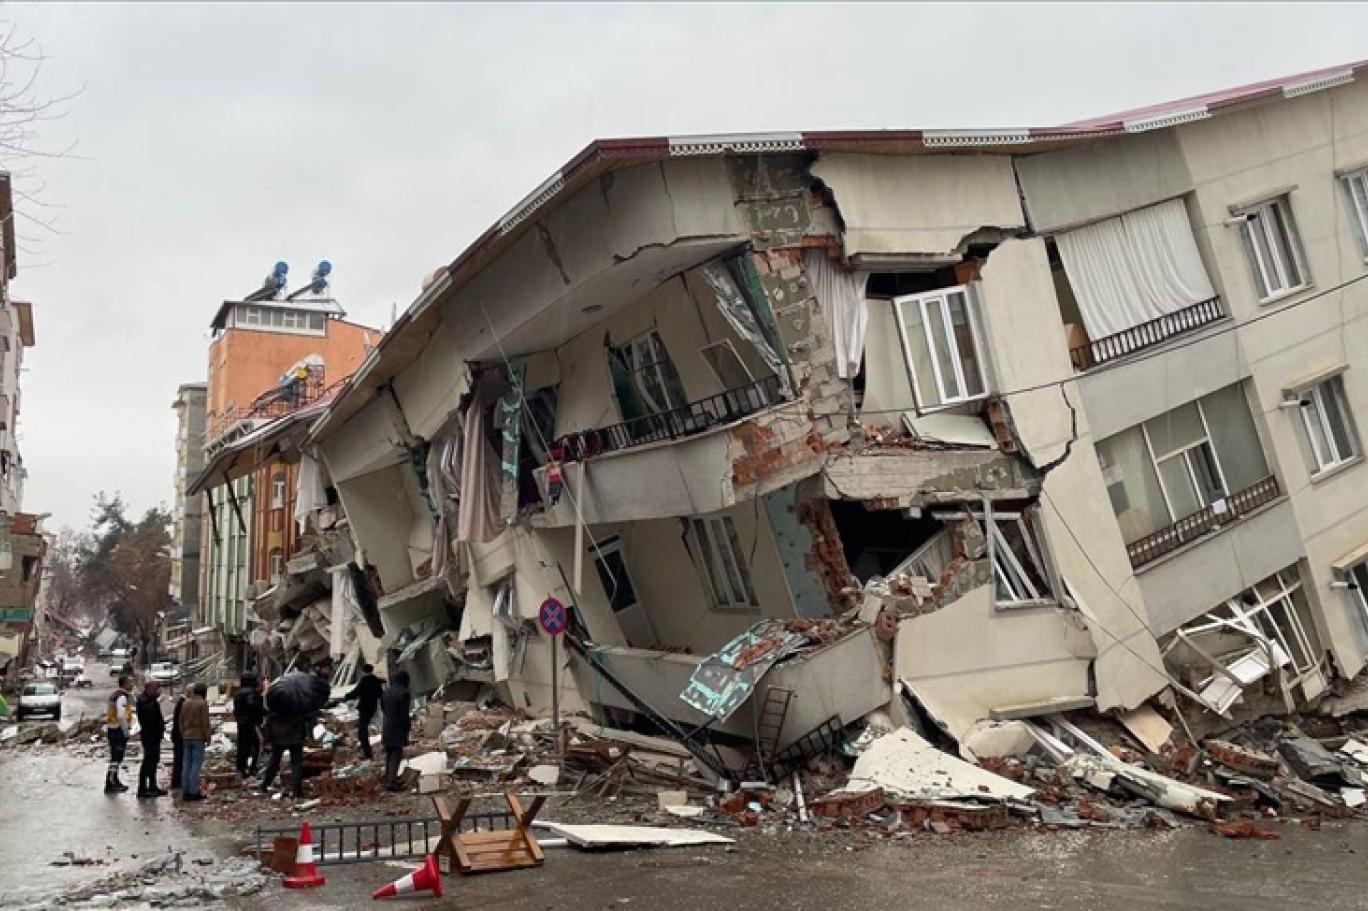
(164, 672)
(82, 681)
(124, 667)
(40, 698)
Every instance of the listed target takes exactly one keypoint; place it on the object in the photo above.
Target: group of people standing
(189, 735)
(190, 732)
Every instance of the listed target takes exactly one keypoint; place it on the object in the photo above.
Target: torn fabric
(741, 316)
(841, 295)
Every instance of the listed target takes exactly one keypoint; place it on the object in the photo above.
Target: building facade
(973, 424)
(189, 407)
(272, 354)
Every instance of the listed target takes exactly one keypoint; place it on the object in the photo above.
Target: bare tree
(24, 110)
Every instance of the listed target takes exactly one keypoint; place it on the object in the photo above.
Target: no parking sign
(551, 615)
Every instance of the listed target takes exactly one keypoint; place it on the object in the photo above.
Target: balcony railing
(275, 403)
(1145, 335)
(1204, 521)
(677, 423)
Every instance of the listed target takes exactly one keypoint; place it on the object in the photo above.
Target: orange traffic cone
(428, 876)
(306, 875)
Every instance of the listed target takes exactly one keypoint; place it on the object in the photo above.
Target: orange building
(269, 357)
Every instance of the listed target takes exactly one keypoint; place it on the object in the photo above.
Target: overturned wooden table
(490, 851)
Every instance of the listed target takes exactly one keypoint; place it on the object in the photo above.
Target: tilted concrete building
(1065, 416)
(188, 510)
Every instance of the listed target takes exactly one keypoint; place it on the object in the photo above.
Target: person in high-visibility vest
(118, 720)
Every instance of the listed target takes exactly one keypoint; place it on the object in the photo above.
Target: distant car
(125, 668)
(164, 672)
(82, 681)
(40, 698)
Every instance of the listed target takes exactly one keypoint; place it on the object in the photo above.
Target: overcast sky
(215, 139)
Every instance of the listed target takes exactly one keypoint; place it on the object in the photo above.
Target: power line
(1159, 352)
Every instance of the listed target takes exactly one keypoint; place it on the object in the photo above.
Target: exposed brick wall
(827, 557)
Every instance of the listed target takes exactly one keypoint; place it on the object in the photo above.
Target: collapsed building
(954, 425)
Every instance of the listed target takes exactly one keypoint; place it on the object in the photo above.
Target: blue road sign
(551, 616)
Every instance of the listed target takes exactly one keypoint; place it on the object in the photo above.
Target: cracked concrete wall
(919, 206)
(907, 478)
(1021, 319)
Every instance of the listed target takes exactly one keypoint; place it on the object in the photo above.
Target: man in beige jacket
(195, 732)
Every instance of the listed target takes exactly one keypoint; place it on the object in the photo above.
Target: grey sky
(217, 138)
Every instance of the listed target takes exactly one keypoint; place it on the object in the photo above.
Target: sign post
(552, 617)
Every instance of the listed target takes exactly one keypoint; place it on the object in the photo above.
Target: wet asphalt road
(53, 804)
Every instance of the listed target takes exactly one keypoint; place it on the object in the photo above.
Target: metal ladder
(769, 725)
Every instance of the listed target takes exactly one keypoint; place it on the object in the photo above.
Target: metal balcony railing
(1145, 335)
(677, 423)
(306, 392)
(1203, 522)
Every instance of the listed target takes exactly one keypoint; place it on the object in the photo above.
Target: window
(940, 338)
(251, 316)
(731, 371)
(1274, 249)
(1329, 425)
(1184, 459)
(278, 490)
(316, 321)
(612, 572)
(505, 607)
(724, 565)
(1356, 190)
(645, 378)
(1357, 577)
(1025, 577)
(277, 563)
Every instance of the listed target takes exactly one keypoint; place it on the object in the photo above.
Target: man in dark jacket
(367, 694)
(286, 734)
(394, 731)
(153, 729)
(177, 743)
(249, 712)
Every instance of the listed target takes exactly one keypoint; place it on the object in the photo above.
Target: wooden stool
(489, 852)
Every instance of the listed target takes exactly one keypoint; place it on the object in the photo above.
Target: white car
(164, 672)
(39, 698)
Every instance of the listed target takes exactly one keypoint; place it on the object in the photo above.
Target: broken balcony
(835, 683)
(693, 418)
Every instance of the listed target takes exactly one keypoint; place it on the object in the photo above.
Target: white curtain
(478, 518)
(309, 494)
(842, 297)
(1129, 270)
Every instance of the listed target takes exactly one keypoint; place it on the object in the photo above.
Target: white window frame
(1273, 277)
(725, 345)
(276, 559)
(719, 554)
(646, 345)
(940, 300)
(1314, 402)
(1185, 452)
(1247, 617)
(1355, 184)
(278, 490)
(1356, 577)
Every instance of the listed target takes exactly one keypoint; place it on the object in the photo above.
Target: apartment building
(965, 424)
(273, 353)
(187, 510)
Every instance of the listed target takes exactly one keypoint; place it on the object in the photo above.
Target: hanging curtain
(842, 298)
(1129, 270)
(480, 479)
(309, 494)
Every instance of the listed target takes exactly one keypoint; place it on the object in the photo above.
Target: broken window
(731, 371)
(1356, 577)
(612, 571)
(724, 564)
(941, 344)
(1259, 630)
(1329, 425)
(1021, 564)
(645, 378)
(1274, 249)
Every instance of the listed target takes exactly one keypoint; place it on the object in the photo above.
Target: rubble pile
(164, 882)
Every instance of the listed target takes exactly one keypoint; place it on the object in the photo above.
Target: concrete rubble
(164, 882)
